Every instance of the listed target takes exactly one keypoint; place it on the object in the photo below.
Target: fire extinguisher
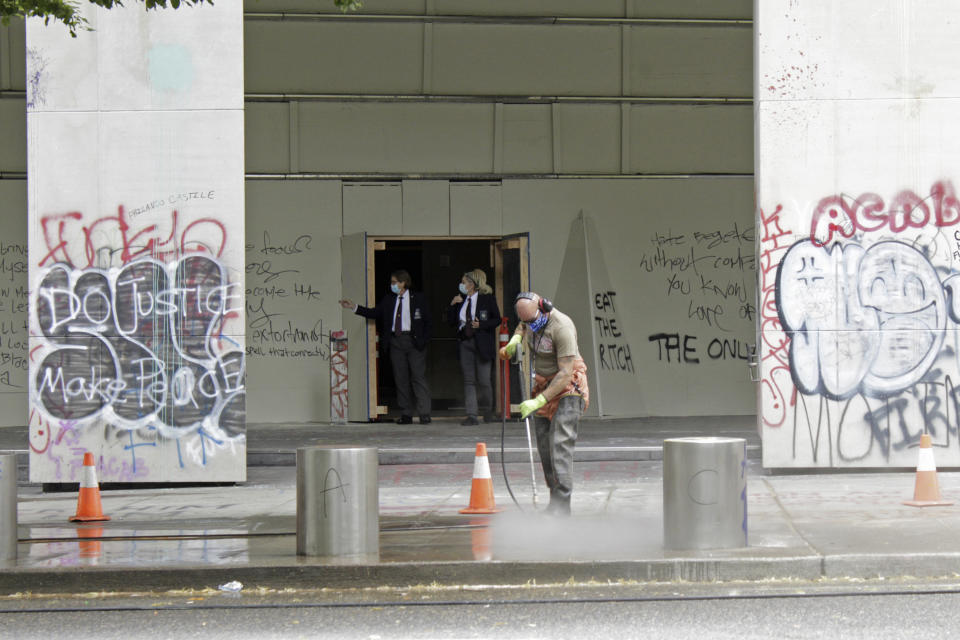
(504, 372)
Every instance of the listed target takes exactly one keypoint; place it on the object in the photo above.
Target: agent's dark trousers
(555, 441)
(476, 380)
(410, 375)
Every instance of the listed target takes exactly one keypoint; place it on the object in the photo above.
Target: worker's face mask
(395, 288)
(463, 289)
(538, 323)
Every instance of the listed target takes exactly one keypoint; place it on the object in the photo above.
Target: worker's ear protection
(545, 305)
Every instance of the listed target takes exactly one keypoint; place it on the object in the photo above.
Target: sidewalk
(805, 527)
(800, 527)
(446, 441)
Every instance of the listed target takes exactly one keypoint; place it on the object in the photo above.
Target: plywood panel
(691, 60)
(475, 209)
(14, 301)
(426, 207)
(476, 59)
(325, 57)
(657, 238)
(443, 138)
(691, 139)
(376, 208)
(292, 283)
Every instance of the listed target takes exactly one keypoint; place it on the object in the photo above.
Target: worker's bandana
(538, 323)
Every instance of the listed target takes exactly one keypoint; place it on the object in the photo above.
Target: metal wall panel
(267, 139)
(589, 138)
(13, 52)
(527, 136)
(703, 9)
(333, 57)
(562, 8)
(396, 137)
(13, 133)
(691, 139)
(479, 59)
(565, 8)
(691, 60)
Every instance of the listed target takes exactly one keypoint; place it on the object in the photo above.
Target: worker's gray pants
(555, 441)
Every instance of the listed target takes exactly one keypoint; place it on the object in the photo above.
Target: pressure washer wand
(533, 473)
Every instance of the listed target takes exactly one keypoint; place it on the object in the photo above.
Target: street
(838, 609)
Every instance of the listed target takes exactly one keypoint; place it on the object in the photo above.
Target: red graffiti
(774, 342)
(100, 242)
(39, 437)
(842, 215)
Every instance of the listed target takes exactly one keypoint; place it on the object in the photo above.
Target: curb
(338, 576)
(449, 455)
(465, 455)
(462, 573)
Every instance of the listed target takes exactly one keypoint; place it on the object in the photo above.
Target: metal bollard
(338, 508)
(704, 493)
(8, 506)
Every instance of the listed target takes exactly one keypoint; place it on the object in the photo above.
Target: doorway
(435, 266)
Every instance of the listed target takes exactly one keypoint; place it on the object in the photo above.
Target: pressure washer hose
(505, 406)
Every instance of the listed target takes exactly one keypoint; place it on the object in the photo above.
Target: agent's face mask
(395, 288)
(538, 323)
(463, 289)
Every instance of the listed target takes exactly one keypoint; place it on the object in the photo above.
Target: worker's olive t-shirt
(557, 340)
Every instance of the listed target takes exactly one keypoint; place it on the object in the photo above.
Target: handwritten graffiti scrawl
(139, 346)
(862, 320)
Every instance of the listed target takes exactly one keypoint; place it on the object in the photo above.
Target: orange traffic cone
(481, 490)
(926, 491)
(88, 502)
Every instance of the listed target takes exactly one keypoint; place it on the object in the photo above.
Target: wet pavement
(800, 526)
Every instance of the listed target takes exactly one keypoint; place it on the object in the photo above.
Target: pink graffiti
(776, 383)
(843, 216)
(69, 241)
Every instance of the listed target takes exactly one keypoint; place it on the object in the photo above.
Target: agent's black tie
(398, 319)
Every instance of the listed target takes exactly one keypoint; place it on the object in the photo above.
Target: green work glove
(507, 351)
(529, 406)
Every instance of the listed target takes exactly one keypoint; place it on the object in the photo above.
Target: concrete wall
(857, 225)
(456, 118)
(136, 227)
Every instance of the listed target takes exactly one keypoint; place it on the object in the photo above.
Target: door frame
(374, 243)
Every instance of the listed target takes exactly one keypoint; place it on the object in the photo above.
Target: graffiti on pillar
(338, 377)
(864, 316)
(130, 331)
